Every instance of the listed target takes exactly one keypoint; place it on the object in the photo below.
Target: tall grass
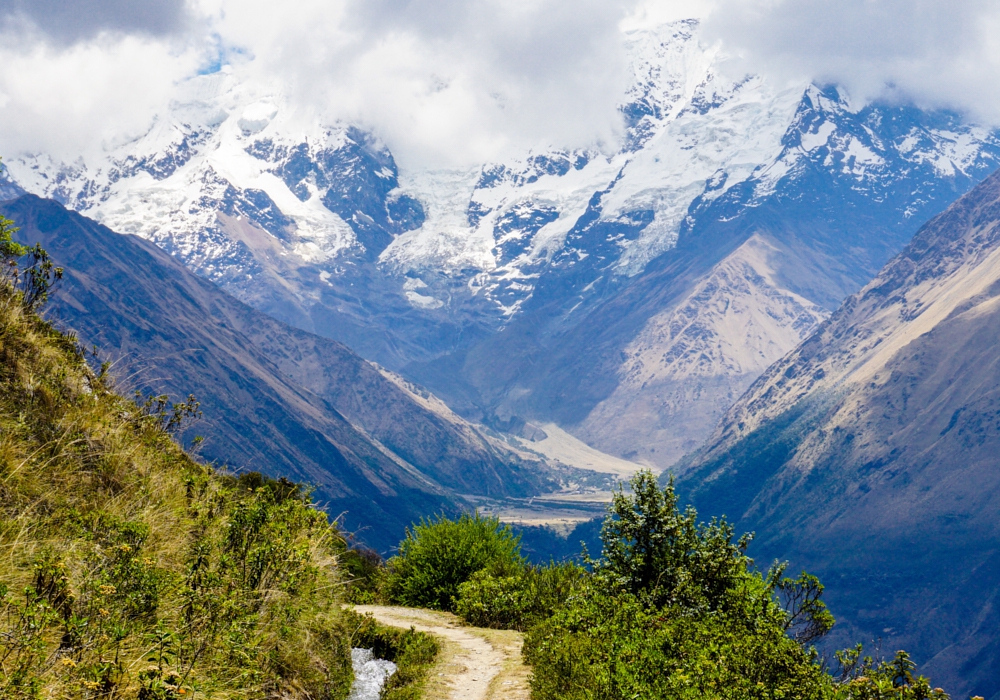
(129, 570)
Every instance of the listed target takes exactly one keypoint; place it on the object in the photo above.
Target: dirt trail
(474, 664)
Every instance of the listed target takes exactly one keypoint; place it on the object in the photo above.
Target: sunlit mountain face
(629, 297)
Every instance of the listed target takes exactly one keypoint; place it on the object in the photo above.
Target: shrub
(617, 647)
(440, 554)
(655, 551)
(519, 600)
(674, 610)
(364, 573)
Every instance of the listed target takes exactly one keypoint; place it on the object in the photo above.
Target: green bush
(614, 646)
(364, 573)
(519, 600)
(439, 554)
(675, 609)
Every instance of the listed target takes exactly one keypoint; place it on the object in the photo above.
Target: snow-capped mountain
(491, 284)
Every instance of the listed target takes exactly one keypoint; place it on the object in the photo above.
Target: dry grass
(127, 569)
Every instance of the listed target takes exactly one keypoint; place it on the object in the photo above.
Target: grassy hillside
(126, 568)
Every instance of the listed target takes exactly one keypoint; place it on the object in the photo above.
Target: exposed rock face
(688, 364)
(869, 453)
(276, 399)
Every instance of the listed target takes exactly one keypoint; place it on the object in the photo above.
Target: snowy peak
(355, 178)
(321, 192)
(297, 217)
(878, 147)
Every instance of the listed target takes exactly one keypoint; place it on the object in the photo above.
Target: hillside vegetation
(127, 569)
(672, 609)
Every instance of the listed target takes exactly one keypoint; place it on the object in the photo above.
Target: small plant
(31, 282)
(156, 411)
(864, 678)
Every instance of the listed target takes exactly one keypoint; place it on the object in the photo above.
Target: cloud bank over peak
(455, 82)
(444, 81)
(934, 53)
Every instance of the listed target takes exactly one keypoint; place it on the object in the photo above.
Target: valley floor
(474, 663)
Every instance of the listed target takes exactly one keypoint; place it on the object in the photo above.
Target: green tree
(654, 550)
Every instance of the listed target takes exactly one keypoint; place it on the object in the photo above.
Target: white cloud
(934, 53)
(444, 81)
(450, 82)
(69, 100)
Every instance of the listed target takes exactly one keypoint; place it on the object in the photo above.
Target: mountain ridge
(443, 275)
(129, 298)
(868, 452)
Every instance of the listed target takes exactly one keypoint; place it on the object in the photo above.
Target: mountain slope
(869, 452)
(116, 537)
(385, 458)
(801, 232)
(526, 265)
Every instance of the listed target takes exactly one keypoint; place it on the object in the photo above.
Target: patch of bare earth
(474, 663)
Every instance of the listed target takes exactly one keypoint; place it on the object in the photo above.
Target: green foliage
(518, 600)
(364, 573)
(807, 617)
(864, 678)
(28, 284)
(676, 610)
(413, 653)
(158, 411)
(656, 552)
(615, 646)
(440, 554)
(131, 570)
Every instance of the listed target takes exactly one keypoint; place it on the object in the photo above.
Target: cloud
(68, 21)
(70, 101)
(445, 81)
(934, 53)
(455, 82)
(75, 75)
